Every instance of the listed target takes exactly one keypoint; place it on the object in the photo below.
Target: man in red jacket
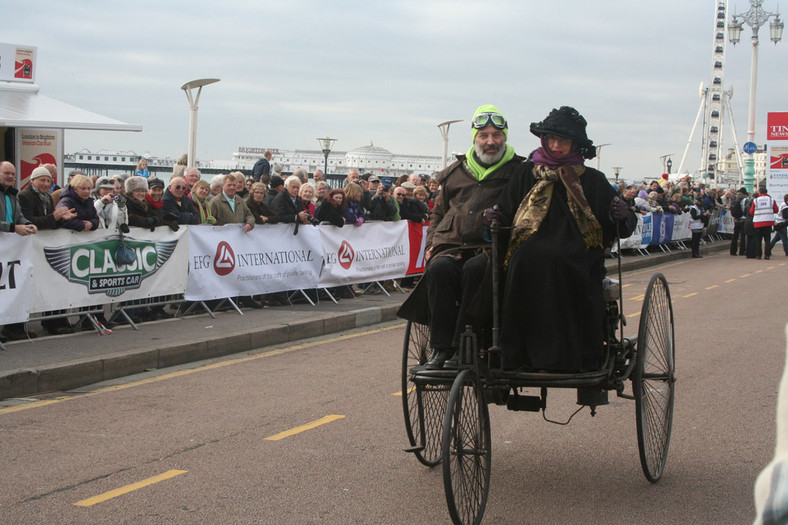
(763, 209)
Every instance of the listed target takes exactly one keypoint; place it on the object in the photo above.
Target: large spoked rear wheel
(423, 405)
(466, 450)
(654, 380)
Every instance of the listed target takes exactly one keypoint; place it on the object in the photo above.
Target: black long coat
(552, 310)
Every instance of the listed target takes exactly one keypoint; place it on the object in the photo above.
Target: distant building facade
(369, 158)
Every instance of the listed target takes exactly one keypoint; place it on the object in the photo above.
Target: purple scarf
(544, 157)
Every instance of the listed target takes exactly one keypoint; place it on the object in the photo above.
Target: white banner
(372, 252)
(635, 240)
(16, 277)
(226, 262)
(726, 222)
(74, 269)
(681, 227)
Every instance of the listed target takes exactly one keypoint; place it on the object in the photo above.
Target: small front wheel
(466, 450)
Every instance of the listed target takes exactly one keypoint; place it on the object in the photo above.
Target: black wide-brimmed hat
(568, 123)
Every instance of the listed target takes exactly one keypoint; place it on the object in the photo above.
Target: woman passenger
(563, 214)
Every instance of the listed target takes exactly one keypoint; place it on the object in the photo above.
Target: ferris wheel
(715, 102)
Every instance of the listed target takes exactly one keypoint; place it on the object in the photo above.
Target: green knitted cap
(487, 108)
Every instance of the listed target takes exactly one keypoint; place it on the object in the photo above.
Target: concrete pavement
(60, 363)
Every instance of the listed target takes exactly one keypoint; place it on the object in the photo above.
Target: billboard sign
(17, 63)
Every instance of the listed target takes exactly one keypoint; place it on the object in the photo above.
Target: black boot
(439, 357)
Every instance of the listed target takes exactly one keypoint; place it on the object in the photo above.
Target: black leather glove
(618, 209)
(170, 216)
(150, 222)
(124, 227)
(492, 214)
(173, 225)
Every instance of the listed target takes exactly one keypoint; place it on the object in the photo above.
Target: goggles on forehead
(482, 120)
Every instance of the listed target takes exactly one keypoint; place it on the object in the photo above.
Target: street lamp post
(444, 127)
(617, 171)
(599, 153)
(193, 107)
(755, 18)
(325, 145)
(666, 162)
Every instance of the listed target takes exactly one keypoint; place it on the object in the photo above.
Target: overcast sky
(390, 71)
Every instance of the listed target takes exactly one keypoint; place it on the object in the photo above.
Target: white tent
(21, 106)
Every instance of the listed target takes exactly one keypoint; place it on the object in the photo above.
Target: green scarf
(480, 171)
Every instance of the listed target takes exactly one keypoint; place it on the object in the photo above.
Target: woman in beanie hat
(140, 212)
(563, 215)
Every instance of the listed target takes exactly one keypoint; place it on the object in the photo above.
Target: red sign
(778, 162)
(224, 260)
(777, 126)
(345, 255)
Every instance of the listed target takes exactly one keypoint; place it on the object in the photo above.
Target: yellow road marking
(730, 280)
(128, 488)
(302, 428)
(625, 285)
(690, 295)
(633, 315)
(410, 391)
(745, 275)
(638, 297)
(712, 287)
(212, 366)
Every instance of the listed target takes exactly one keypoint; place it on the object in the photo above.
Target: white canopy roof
(22, 107)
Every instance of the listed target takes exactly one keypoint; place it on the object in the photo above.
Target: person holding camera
(383, 205)
(110, 205)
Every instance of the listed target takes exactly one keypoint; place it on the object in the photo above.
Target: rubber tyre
(423, 406)
(466, 450)
(654, 379)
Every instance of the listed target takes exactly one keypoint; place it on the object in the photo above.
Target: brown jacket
(456, 219)
(220, 209)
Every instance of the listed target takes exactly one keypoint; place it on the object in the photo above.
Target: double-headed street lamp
(754, 18)
(325, 145)
(193, 101)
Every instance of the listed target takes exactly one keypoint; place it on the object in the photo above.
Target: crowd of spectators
(141, 200)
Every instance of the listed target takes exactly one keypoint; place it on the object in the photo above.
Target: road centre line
(129, 488)
(730, 280)
(309, 426)
(179, 373)
(712, 287)
(689, 295)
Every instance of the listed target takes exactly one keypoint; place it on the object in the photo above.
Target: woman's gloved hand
(618, 209)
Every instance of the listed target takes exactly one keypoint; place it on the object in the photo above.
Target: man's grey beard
(489, 159)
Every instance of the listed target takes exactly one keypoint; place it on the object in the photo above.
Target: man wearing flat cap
(455, 241)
